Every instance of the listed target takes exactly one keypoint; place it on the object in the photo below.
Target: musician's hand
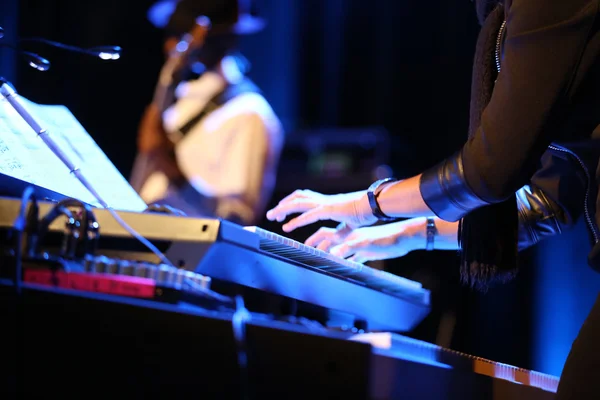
(164, 161)
(351, 208)
(375, 243)
(325, 238)
(384, 241)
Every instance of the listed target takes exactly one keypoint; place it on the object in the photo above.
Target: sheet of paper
(25, 156)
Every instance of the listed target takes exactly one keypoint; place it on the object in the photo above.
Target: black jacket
(560, 193)
(539, 134)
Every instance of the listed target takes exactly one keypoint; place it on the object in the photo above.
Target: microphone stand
(9, 93)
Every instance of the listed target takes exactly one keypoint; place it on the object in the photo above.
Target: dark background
(401, 65)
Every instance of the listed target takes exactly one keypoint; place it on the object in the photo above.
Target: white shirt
(231, 155)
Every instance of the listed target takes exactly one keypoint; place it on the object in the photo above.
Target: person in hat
(214, 150)
(529, 169)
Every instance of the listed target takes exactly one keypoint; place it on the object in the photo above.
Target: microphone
(102, 52)
(34, 60)
(106, 52)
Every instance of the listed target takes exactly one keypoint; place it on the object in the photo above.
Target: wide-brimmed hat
(226, 16)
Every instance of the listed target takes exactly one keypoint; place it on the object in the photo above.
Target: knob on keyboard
(162, 274)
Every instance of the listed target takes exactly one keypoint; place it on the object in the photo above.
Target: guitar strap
(186, 194)
(230, 92)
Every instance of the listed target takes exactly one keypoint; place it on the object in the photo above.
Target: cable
(85, 225)
(88, 216)
(139, 237)
(59, 209)
(129, 229)
(121, 222)
(10, 94)
(56, 211)
(207, 292)
(19, 226)
(164, 209)
(240, 317)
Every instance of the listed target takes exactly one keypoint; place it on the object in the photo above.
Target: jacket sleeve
(544, 42)
(553, 201)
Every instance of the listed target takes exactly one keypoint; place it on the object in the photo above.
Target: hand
(164, 160)
(351, 208)
(325, 238)
(373, 243)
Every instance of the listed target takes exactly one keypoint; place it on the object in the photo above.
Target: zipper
(586, 209)
(499, 45)
(588, 218)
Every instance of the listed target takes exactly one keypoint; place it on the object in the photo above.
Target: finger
(362, 257)
(358, 258)
(325, 245)
(342, 250)
(343, 231)
(309, 217)
(334, 239)
(334, 235)
(296, 194)
(303, 194)
(272, 214)
(281, 211)
(349, 248)
(319, 236)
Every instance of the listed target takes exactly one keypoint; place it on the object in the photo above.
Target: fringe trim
(481, 277)
(488, 239)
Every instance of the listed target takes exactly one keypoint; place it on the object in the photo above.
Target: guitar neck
(164, 92)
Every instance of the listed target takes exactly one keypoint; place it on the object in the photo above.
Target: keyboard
(255, 258)
(327, 262)
(400, 348)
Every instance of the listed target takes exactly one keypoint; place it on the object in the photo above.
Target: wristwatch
(431, 233)
(372, 194)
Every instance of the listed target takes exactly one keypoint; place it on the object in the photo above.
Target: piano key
(321, 260)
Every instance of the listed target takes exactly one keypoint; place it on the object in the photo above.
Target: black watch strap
(372, 194)
(431, 234)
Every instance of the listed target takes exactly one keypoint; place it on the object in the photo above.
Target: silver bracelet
(431, 233)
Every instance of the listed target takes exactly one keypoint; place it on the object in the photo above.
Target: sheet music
(24, 155)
